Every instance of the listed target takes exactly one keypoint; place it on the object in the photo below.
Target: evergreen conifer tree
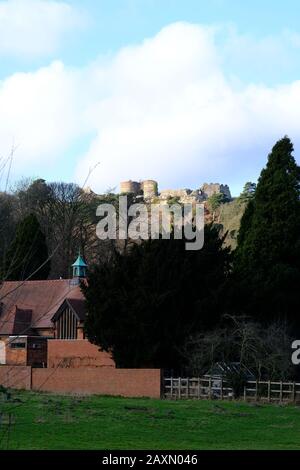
(267, 258)
(145, 303)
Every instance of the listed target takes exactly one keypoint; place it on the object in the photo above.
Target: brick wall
(100, 381)
(18, 377)
(16, 356)
(76, 353)
(34, 352)
(87, 381)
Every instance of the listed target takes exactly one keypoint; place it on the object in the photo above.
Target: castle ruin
(149, 190)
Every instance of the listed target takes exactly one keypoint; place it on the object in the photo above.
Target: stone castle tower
(147, 188)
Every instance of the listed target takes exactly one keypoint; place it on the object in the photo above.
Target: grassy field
(43, 421)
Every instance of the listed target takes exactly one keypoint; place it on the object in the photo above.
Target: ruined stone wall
(215, 188)
(184, 195)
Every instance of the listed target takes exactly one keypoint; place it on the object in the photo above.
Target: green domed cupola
(79, 267)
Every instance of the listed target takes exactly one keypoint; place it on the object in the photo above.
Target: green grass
(44, 421)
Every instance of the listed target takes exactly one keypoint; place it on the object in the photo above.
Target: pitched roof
(220, 369)
(42, 298)
(77, 305)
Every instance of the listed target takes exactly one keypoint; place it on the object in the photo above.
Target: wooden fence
(217, 388)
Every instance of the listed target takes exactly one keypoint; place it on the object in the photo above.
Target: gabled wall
(76, 353)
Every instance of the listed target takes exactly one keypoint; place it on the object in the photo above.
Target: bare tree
(264, 350)
(61, 217)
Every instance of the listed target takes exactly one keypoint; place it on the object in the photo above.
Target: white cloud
(35, 27)
(163, 109)
(169, 112)
(41, 112)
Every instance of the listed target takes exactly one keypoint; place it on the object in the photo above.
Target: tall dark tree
(8, 223)
(28, 254)
(144, 304)
(33, 196)
(267, 258)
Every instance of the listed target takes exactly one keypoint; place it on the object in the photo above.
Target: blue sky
(113, 24)
(180, 91)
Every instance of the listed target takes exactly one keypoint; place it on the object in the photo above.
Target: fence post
(294, 392)
(30, 378)
(179, 387)
(245, 392)
(171, 387)
(280, 394)
(198, 388)
(188, 388)
(256, 390)
(269, 390)
(209, 387)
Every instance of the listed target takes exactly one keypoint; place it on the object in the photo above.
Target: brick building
(32, 313)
